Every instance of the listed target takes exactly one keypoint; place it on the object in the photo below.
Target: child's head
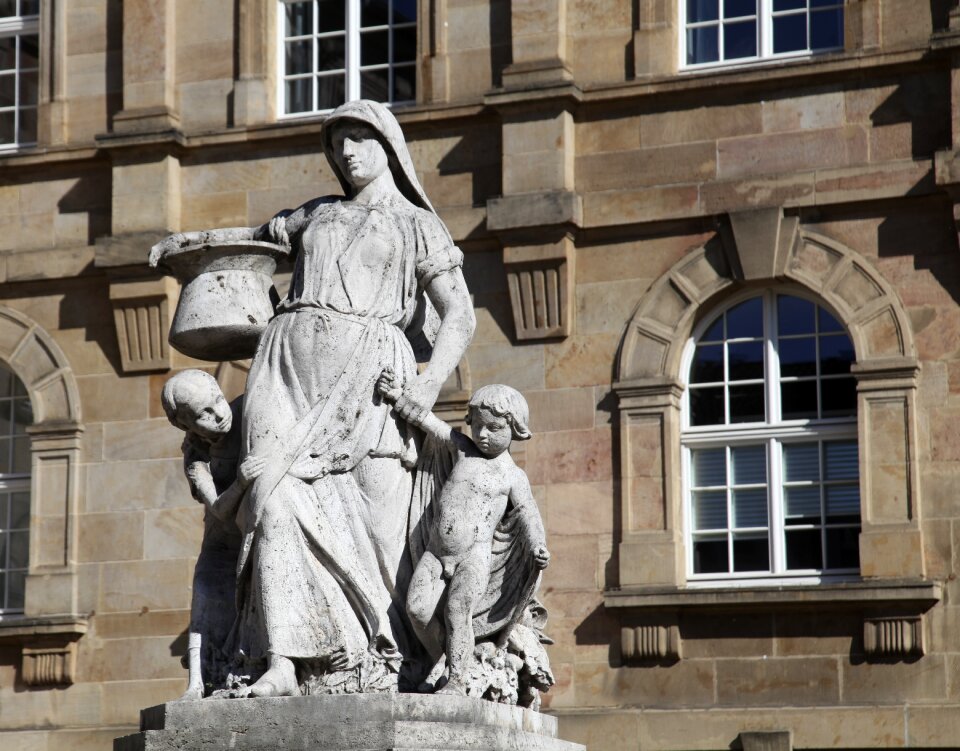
(194, 402)
(497, 406)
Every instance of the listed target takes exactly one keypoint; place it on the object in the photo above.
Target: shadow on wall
(501, 34)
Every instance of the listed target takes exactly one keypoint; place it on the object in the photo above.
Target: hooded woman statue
(323, 567)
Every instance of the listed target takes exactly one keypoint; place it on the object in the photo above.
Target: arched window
(16, 414)
(770, 456)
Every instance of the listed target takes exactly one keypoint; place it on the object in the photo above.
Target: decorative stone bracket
(48, 648)
(541, 283)
(898, 637)
(141, 313)
(650, 643)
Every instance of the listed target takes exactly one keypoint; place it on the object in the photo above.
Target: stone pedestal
(372, 722)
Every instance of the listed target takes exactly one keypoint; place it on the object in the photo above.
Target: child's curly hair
(503, 401)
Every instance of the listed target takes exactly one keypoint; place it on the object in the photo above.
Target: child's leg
(195, 679)
(423, 597)
(466, 587)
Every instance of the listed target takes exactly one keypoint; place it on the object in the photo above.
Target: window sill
(48, 646)
(911, 595)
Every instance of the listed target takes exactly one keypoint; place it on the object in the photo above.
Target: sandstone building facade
(713, 242)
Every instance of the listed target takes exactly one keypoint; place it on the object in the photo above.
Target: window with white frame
(15, 415)
(715, 32)
(333, 51)
(19, 72)
(770, 456)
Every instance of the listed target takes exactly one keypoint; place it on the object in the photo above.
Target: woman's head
(358, 152)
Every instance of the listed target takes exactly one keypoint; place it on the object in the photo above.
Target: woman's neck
(377, 189)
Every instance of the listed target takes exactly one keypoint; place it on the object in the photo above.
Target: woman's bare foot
(279, 680)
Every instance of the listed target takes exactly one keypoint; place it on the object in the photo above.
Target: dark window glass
(828, 323)
(826, 29)
(27, 130)
(803, 549)
(839, 397)
(29, 91)
(739, 8)
(7, 129)
(798, 400)
(8, 90)
(709, 468)
(788, 5)
(706, 406)
(299, 19)
(8, 8)
(749, 465)
(746, 319)
(836, 355)
(19, 511)
(801, 462)
(29, 51)
(841, 460)
(374, 47)
(21, 455)
(331, 91)
(739, 40)
(330, 53)
(702, 10)
(404, 83)
(331, 16)
(703, 45)
(714, 332)
(802, 504)
(746, 403)
(710, 556)
(843, 547)
(404, 11)
(751, 553)
(299, 95)
(794, 316)
(790, 33)
(843, 503)
(745, 361)
(798, 357)
(374, 13)
(710, 509)
(405, 45)
(750, 507)
(299, 56)
(8, 53)
(29, 7)
(375, 84)
(15, 586)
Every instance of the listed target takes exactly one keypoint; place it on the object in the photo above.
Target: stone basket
(227, 296)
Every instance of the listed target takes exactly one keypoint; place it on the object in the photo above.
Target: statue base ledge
(367, 722)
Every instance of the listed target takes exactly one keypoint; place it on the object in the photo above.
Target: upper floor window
(739, 31)
(19, 72)
(770, 456)
(333, 51)
(15, 415)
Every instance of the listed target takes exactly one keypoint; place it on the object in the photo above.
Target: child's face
(207, 414)
(491, 433)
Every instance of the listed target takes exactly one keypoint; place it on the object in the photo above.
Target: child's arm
(431, 424)
(224, 507)
(521, 496)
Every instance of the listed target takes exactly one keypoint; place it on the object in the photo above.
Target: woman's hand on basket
(274, 231)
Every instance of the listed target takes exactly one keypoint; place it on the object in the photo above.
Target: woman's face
(359, 154)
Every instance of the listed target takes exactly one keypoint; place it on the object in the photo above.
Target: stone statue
(194, 403)
(335, 487)
(458, 568)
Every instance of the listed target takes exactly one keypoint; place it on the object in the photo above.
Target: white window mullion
(777, 507)
(353, 50)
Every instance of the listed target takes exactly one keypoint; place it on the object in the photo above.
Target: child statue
(487, 543)
(195, 404)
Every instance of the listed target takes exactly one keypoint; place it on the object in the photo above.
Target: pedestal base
(367, 722)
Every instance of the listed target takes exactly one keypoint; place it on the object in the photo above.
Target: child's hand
(541, 556)
(250, 469)
(387, 386)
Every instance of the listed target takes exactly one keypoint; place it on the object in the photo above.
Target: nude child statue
(473, 501)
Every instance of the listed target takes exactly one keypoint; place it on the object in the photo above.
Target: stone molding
(48, 648)
(650, 643)
(899, 637)
(541, 283)
(141, 313)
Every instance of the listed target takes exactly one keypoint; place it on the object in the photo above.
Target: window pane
(6, 382)
(745, 361)
(710, 556)
(404, 83)
(843, 548)
(8, 8)
(29, 88)
(751, 553)
(702, 10)
(714, 332)
(29, 51)
(374, 84)
(330, 54)
(841, 460)
(404, 11)
(839, 397)
(827, 322)
(8, 90)
(405, 45)
(749, 465)
(739, 40)
(836, 354)
(826, 29)
(4, 545)
(798, 400)
(4, 524)
(5, 448)
(750, 508)
(746, 403)
(300, 95)
(707, 364)
(798, 357)
(21, 455)
(299, 19)
(703, 45)
(6, 417)
(843, 503)
(331, 91)
(19, 511)
(790, 33)
(8, 53)
(29, 7)
(373, 13)
(801, 463)
(375, 47)
(794, 316)
(706, 406)
(18, 388)
(19, 549)
(22, 415)
(802, 505)
(788, 4)
(710, 509)
(27, 132)
(803, 549)
(745, 320)
(15, 587)
(331, 16)
(709, 468)
(299, 57)
(736, 8)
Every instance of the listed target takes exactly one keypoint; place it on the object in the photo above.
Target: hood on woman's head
(381, 119)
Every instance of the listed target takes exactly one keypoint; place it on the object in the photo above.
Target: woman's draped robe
(318, 569)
